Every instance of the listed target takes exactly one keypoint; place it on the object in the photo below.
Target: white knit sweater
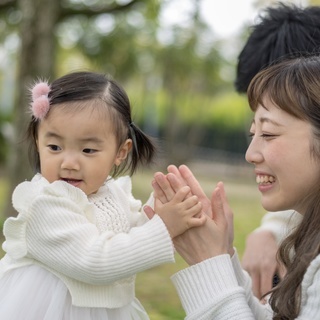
(219, 289)
(280, 223)
(95, 246)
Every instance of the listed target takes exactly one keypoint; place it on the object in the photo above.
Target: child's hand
(211, 239)
(166, 186)
(180, 213)
(183, 176)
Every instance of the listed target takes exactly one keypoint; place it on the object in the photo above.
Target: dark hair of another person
(78, 90)
(283, 30)
(293, 85)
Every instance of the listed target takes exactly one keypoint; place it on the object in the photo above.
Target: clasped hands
(200, 228)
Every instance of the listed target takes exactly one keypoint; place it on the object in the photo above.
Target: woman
(285, 151)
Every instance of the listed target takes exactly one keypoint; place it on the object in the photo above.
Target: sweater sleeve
(210, 290)
(55, 231)
(280, 223)
(310, 308)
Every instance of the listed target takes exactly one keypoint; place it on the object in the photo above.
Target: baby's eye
(54, 147)
(89, 151)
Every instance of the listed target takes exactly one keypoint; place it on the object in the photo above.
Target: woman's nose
(253, 154)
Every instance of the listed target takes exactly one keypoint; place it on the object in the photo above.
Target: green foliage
(228, 111)
(173, 75)
(5, 130)
(216, 122)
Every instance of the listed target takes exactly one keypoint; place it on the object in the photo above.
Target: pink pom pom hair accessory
(40, 102)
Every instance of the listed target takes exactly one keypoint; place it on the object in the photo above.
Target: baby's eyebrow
(91, 139)
(51, 134)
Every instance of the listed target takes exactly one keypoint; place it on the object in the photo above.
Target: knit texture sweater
(219, 289)
(94, 244)
(280, 223)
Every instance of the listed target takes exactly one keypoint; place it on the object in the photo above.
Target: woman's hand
(216, 235)
(184, 176)
(259, 260)
(209, 240)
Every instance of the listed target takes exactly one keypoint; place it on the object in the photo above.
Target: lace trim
(111, 216)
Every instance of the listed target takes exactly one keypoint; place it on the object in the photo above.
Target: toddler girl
(79, 237)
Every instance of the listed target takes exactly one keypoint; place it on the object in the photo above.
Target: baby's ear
(123, 152)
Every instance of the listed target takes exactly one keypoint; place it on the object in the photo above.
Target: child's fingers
(181, 195)
(190, 202)
(197, 222)
(164, 185)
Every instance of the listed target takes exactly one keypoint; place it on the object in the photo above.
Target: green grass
(153, 287)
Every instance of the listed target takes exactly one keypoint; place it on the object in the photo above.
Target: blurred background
(177, 61)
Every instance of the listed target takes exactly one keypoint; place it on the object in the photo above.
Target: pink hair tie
(40, 102)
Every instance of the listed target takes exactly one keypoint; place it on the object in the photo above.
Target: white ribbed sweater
(219, 289)
(95, 246)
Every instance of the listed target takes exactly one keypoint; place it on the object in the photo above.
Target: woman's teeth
(264, 179)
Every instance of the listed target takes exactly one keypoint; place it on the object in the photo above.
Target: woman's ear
(123, 152)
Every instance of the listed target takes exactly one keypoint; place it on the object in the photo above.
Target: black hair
(283, 31)
(101, 90)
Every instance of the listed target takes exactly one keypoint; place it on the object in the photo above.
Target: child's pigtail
(143, 148)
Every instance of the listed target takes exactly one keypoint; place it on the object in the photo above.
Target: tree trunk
(36, 60)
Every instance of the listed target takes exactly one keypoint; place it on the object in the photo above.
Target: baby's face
(78, 147)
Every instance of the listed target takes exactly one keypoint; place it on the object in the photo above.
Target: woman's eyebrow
(268, 120)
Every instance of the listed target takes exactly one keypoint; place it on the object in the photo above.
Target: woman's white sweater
(219, 289)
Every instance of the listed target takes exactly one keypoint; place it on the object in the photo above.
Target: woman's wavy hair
(78, 90)
(293, 85)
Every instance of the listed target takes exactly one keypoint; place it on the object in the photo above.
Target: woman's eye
(54, 147)
(88, 150)
(265, 135)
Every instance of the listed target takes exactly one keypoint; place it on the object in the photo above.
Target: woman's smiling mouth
(263, 179)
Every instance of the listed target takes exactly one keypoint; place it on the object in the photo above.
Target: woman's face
(286, 170)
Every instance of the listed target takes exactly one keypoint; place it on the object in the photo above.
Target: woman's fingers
(162, 188)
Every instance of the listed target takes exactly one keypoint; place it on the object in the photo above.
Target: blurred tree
(36, 22)
(181, 61)
(181, 65)
(191, 64)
